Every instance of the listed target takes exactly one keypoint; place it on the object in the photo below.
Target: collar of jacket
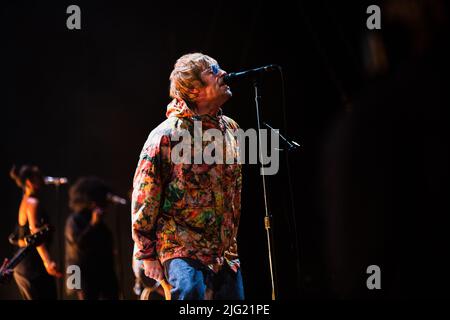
(179, 108)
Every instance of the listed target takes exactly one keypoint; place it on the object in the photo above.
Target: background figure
(89, 242)
(34, 274)
(387, 164)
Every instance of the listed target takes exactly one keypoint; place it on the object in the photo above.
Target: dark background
(82, 102)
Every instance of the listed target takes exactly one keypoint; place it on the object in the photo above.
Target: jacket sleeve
(148, 186)
(231, 254)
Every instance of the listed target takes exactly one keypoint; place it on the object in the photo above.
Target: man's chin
(228, 94)
(227, 97)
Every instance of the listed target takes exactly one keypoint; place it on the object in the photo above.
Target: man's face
(215, 90)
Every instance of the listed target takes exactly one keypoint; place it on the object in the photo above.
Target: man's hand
(153, 269)
(52, 270)
(97, 215)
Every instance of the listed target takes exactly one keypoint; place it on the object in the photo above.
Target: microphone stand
(267, 217)
(291, 146)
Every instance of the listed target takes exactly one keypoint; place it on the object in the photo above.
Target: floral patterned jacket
(182, 209)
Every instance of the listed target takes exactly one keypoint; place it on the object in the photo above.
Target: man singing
(185, 214)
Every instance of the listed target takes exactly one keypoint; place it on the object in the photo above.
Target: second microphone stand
(267, 216)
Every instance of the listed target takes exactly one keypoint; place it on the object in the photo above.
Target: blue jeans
(191, 280)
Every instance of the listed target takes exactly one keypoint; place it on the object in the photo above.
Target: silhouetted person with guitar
(34, 274)
(89, 242)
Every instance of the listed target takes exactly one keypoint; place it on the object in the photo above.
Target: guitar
(167, 287)
(32, 240)
(145, 295)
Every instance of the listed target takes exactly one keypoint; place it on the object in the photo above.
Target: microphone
(55, 180)
(116, 199)
(249, 74)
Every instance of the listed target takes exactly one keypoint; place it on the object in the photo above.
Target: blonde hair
(186, 75)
